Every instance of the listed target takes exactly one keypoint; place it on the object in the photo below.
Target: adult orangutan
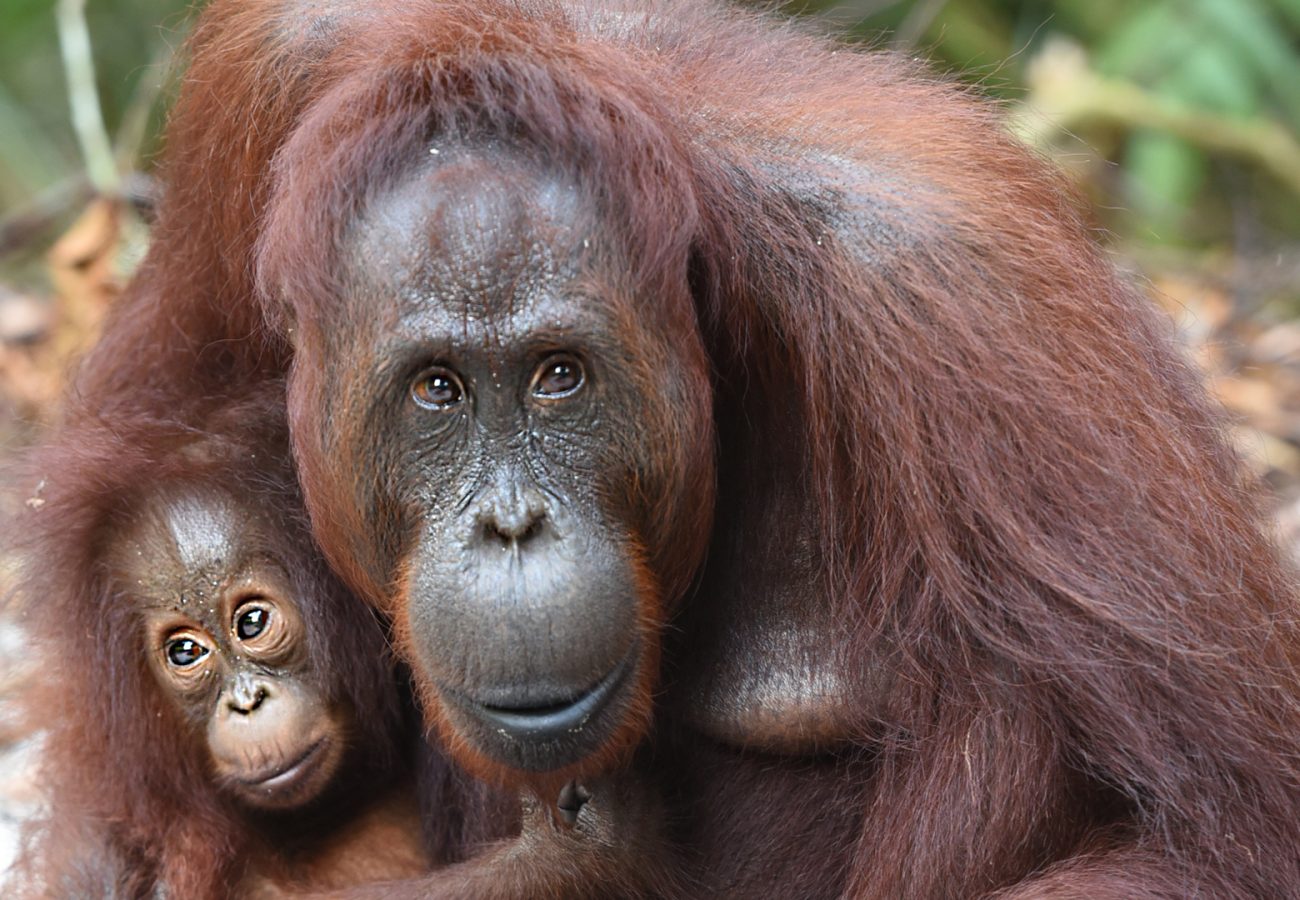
(717, 410)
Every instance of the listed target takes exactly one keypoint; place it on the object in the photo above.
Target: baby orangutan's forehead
(184, 548)
(202, 532)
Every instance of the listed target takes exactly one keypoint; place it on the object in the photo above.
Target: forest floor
(1249, 352)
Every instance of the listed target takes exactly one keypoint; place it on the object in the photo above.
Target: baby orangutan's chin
(285, 777)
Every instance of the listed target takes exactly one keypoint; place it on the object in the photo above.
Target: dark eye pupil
(252, 623)
(185, 652)
(440, 390)
(437, 390)
(559, 377)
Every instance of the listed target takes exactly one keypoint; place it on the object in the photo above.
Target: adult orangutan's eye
(559, 376)
(185, 651)
(437, 388)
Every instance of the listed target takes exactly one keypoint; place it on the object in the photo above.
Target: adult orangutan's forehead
(477, 235)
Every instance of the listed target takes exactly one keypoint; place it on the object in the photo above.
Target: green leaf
(1154, 38)
(1215, 78)
(1165, 175)
(1247, 26)
(1290, 10)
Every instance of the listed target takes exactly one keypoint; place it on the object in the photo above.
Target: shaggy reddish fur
(1026, 506)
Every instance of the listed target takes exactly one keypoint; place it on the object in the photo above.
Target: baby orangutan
(234, 723)
(224, 633)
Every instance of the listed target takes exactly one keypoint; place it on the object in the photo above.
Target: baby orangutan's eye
(252, 622)
(183, 652)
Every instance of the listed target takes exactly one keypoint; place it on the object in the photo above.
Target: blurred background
(1179, 121)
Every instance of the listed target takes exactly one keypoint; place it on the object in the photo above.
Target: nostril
(513, 529)
(534, 528)
(245, 702)
(509, 515)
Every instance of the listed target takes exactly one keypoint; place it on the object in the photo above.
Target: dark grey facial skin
(507, 413)
(225, 641)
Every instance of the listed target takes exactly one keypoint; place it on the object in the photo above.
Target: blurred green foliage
(1234, 60)
(132, 39)
(1217, 62)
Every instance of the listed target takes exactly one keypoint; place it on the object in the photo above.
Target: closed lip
(540, 723)
(283, 775)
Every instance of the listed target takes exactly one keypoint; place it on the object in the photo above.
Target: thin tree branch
(1064, 94)
(83, 96)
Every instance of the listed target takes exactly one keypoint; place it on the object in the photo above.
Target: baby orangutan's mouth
(289, 782)
(282, 774)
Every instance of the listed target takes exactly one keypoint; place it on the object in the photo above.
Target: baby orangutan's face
(227, 643)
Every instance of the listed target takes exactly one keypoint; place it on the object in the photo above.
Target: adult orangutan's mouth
(547, 733)
(545, 721)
